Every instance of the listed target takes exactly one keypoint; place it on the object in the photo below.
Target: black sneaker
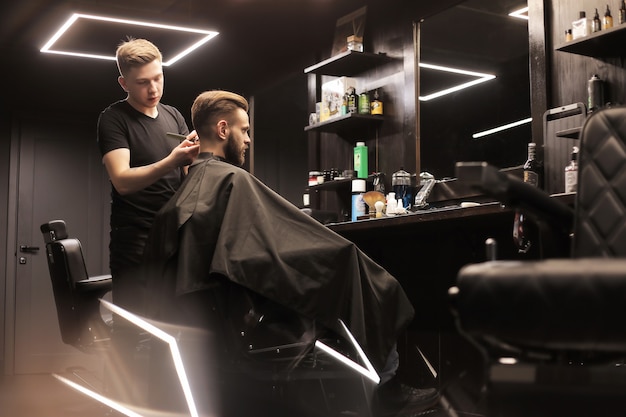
(397, 399)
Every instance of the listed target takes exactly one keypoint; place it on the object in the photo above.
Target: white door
(58, 175)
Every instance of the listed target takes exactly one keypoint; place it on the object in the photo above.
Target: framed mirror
(474, 100)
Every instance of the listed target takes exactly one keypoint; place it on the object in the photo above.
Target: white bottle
(582, 26)
(358, 204)
(391, 204)
(571, 172)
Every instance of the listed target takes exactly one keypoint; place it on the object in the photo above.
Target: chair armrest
(99, 283)
(569, 304)
(515, 193)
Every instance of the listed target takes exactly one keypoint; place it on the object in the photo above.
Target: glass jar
(355, 43)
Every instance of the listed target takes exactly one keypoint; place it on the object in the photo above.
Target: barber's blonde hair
(135, 52)
(211, 106)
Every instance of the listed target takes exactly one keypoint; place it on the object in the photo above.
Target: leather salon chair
(552, 331)
(264, 359)
(76, 294)
(269, 360)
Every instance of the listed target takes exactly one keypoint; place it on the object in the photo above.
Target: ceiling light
(193, 39)
(521, 13)
(501, 128)
(481, 78)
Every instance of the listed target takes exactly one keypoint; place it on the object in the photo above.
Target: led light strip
(482, 77)
(521, 13)
(104, 400)
(47, 47)
(368, 372)
(167, 338)
(501, 128)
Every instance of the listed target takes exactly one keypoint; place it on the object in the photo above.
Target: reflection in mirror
(474, 77)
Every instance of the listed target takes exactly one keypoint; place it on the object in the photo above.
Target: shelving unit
(351, 122)
(332, 185)
(605, 43)
(348, 126)
(348, 63)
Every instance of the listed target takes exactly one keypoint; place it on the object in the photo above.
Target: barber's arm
(128, 180)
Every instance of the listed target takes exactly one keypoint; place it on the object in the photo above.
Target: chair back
(76, 296)
(599, 226)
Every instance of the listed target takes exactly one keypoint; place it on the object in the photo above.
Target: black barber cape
(225, 221)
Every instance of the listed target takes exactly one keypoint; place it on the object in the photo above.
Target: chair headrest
(54, 230)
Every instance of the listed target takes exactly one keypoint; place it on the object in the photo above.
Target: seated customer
(223, 224)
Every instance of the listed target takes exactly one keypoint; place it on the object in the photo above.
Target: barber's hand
(185, 153)
(193, 137)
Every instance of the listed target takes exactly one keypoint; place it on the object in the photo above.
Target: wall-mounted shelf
(605, 43)
(332, 185)
(348, 123)
(348, 63)
(572, 133)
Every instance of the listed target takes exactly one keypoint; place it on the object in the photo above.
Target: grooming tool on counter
(428, 182)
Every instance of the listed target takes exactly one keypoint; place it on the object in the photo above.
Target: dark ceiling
(259, 41)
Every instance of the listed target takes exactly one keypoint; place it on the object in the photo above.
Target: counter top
(433, 216)
(426, 215)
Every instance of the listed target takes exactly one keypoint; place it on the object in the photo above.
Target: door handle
(29, 249)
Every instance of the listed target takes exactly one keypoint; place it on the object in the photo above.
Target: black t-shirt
(122, 126)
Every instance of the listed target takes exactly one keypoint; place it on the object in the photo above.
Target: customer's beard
(233, 153)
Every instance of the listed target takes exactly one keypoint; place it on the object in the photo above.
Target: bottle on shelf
(571, 172)
(582, 26)
(533, 168)
(344, 104)
(621, 18)
(358, 204)
(364, 103)
(596, 24)
(595, 93)
(376, 106)
(533, 174)
(360, 160)
(352, 100)
(607, 20)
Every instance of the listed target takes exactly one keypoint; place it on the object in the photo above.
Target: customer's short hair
(211, 106)
(134, 53)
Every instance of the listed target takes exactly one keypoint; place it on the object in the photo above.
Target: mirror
(478, 45)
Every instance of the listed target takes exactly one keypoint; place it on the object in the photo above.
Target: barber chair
(553, 331)
(76, 294)
(264, 359)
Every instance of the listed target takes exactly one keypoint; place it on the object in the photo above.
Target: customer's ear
(222, 129)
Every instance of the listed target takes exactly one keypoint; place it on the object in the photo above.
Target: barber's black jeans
(128, 360)
(126, 253)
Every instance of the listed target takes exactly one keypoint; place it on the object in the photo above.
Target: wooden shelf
(332, 185)
(348, 63)
(572, 133)
(351, 123)
(605, 43)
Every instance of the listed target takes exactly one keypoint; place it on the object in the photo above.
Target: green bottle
(360, 160)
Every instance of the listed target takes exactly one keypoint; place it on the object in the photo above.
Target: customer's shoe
(394, 398)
